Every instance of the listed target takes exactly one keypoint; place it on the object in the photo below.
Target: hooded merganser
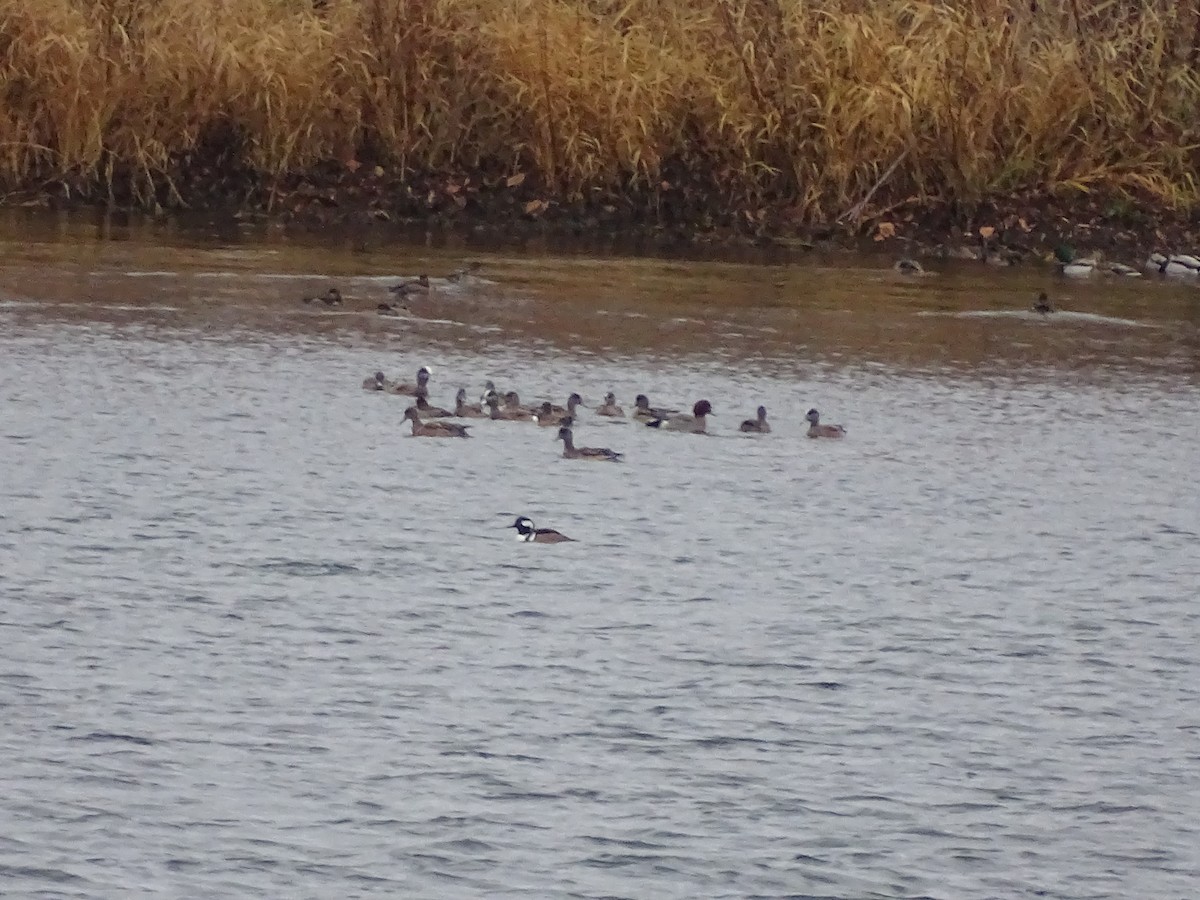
(758, 425)
(644, 412)
(817, 430)
(609, 407)
(419, 285)
(694, 424)
(1042, 304)
(433, 412)
(332, 297)
(421, 388)
(434, 429)
(528, 533)
(508, 413)
(465, 410)
(570, 451)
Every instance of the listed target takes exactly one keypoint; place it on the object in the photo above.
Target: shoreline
(373, 204)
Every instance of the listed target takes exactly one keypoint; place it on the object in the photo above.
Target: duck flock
(436, 422)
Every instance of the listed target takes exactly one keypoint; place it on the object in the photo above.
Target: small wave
(304, 567)
(1029, 315)
(105, 736)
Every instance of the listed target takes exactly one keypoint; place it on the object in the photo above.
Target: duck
(465, 410)
(433, 412)
(547, 415)
(434, 429)
(420, 389)
(1070, 265)
(1124, 271)
(817, 430)
(569, 410)
(377, 382)
(757, 425)
(1177, 265)
(465, 272)
(512, 400)
(570, 451)
(694, 424)
(644, 412)
(1042, 304)
(507, 413)
(908, 266)
(531, 535)
(418, 285)
(332, 297)
(390, 309)
(609, 407)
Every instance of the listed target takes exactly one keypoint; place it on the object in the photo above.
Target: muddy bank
(683, 214)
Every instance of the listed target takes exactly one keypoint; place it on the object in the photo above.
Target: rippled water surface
(258, 641)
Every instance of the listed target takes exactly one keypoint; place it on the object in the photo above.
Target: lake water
(258, 641)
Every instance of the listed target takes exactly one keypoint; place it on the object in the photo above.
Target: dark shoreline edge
(372, 205)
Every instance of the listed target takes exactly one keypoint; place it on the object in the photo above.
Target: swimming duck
(377, 382)
(531, 535)
(644, 412)
(1115, 268)
(462, 274)
(390, 309)
(1072, 266)
(1042, 304)
(420, 389)
(907, 266)
(507, 413)
(332, 297)
(609, 407)
(570, 451)
(546, 416)
(693, 424)
(434, 429)
(512, 400)
(817, 430)
(1177, 265)
(758, 425)
(569, 410)
(419, 285)
(465, 410)
(429, 411)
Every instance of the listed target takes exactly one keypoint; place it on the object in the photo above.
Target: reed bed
(802, 104)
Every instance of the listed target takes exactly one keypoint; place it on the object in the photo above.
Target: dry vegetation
(801, 105)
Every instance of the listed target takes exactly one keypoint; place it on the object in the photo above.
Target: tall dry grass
(796, 102)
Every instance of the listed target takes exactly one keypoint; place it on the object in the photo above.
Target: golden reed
(805, 102)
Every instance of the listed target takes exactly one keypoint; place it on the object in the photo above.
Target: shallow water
(259, 642)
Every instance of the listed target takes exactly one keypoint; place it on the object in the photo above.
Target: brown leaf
(986, 231)
(353, 165)
(534, 207)
(884, 231)
(515, 180)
